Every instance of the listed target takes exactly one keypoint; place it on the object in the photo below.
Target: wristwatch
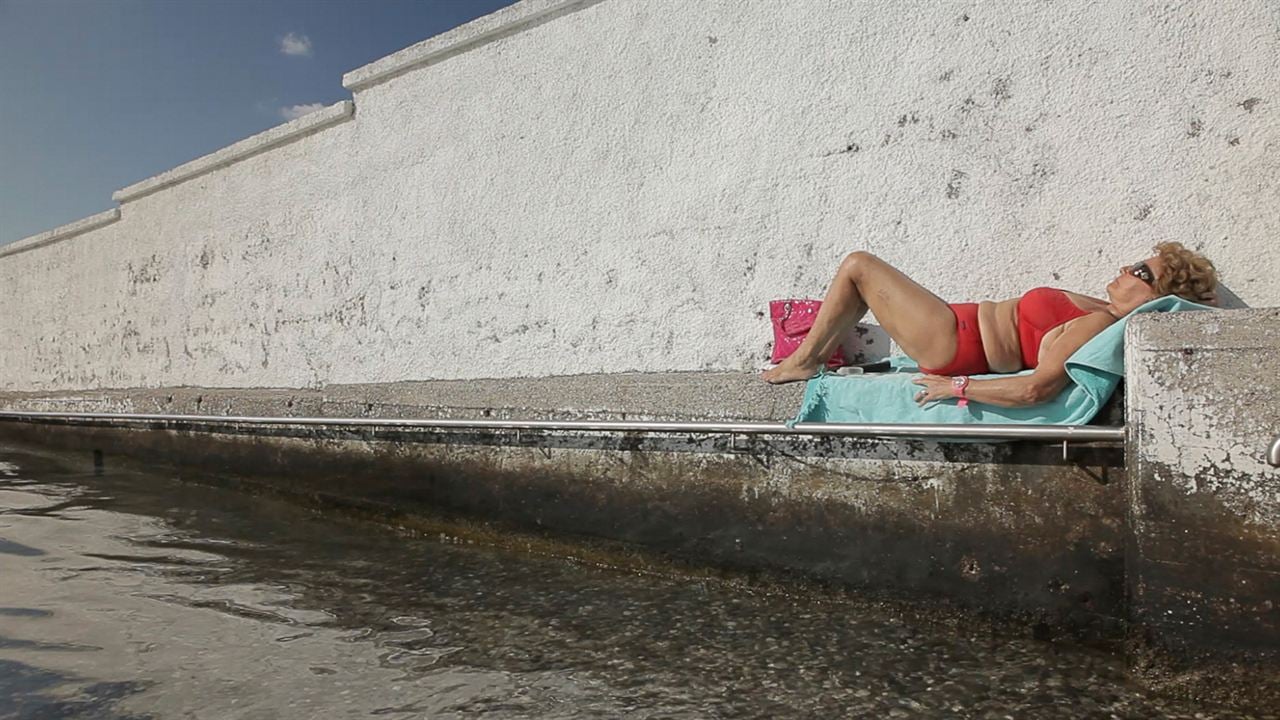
(959, 384)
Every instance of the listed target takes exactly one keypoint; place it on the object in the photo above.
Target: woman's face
(1133, 285)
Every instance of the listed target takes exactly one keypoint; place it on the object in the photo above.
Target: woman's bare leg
(919, 321)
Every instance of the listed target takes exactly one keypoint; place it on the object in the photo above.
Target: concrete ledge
(610, 396)
(1002, 530)
(1008, 528)
(63, 232)
(250, 146)
(500, 24)
(674, 396)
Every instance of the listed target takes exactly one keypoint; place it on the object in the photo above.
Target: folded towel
(1095, 370)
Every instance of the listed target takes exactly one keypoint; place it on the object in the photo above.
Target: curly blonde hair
(1187, 274)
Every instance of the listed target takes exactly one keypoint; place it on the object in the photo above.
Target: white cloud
(295, 44)
(293, 112)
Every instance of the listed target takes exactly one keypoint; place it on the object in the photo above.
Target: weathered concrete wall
(602, 187)
(1203, 405)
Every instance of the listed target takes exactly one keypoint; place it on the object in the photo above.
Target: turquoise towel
(1095, 369)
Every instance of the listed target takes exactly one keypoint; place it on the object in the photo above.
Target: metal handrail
(1273, 454)
(884, 430)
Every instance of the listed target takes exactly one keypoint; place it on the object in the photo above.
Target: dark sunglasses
(1143, 273)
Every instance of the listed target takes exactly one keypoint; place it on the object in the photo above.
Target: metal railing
(878, 430)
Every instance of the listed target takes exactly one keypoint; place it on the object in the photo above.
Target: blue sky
(98, 94)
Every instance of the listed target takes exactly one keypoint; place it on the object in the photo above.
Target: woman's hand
(934, 388)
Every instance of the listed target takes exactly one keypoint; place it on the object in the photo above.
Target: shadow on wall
(866, 344)
(1229, 300)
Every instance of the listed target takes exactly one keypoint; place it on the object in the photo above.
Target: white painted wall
(624, 187)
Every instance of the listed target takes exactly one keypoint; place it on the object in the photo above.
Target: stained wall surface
(1204, 561)
(622, 185)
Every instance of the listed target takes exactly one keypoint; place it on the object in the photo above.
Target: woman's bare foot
(790, 370)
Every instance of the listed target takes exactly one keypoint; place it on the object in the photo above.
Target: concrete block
(1203, 568)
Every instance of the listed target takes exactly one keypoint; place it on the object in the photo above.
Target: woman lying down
(1038, 331)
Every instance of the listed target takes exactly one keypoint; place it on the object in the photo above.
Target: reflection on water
(128, 595)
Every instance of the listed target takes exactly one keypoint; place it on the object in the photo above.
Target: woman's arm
(1019, 391)
(1042, 385)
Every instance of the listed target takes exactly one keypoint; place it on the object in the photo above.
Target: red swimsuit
(1039, 311)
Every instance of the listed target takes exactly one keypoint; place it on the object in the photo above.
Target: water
(132, 595)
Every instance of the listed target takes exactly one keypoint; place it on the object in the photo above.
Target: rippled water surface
(133, 595)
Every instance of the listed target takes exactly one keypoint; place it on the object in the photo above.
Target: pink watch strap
(958, 385)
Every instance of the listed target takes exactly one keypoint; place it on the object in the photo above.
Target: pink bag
(792, 320)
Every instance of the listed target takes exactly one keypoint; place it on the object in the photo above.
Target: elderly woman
(1039, 330)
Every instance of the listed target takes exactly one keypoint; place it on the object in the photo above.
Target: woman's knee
(858, 262)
